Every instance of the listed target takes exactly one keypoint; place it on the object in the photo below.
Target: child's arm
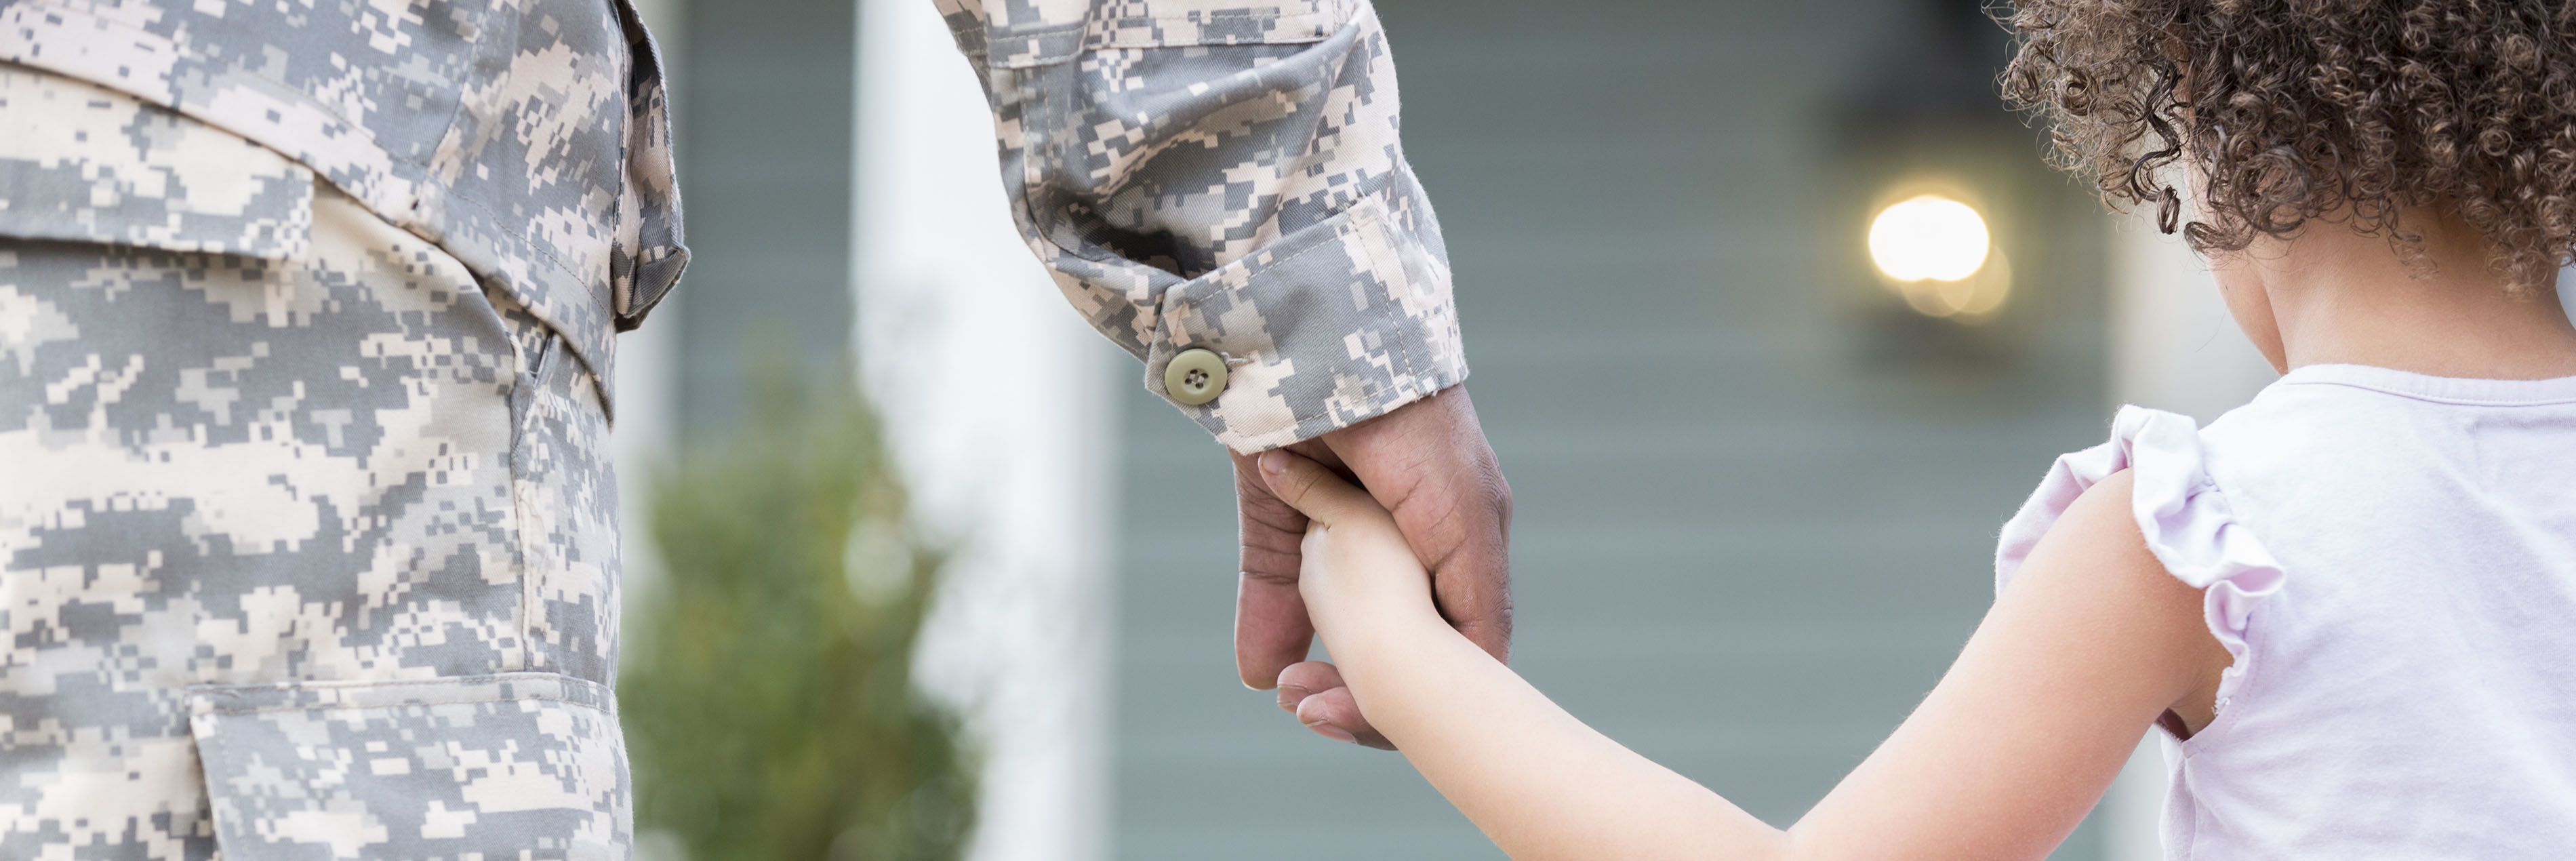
(2089, 645)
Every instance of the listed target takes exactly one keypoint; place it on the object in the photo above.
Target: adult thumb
(1310, 488)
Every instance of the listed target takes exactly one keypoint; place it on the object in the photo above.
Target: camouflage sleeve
(1206, 174)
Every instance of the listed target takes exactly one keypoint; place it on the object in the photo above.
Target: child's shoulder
(2330, 422)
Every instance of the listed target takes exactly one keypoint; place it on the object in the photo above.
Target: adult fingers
(1313, 691)
(1271, 630)
(1306, 679)
(1334, 714)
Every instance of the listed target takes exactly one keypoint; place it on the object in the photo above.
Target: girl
(2352, 602)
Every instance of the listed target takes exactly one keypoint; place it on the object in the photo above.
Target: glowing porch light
(1928, 238)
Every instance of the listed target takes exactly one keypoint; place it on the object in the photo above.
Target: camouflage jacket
(515, 134)
(1225, 175)
(369, 611)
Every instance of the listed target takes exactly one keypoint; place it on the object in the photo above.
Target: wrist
(1364, 632)
(1396, 665)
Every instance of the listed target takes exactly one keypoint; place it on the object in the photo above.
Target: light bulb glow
(1971, 299)
(1928, 238)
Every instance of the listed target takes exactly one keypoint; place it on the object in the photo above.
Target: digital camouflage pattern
(528, 138)
(1225, 175)
(307, 316)
(508, 766)
(307, 538)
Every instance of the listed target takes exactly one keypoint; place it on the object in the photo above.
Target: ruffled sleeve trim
(2188, 523)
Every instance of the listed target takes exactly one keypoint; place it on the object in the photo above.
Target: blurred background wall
(1758, 479)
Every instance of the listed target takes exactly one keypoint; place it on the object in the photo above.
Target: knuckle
(1271, 577)
(1272, 516)
(1266, 559)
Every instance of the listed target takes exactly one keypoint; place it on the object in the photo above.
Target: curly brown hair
(2301, 109)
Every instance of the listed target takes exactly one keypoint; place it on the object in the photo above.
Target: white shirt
(2391, 558)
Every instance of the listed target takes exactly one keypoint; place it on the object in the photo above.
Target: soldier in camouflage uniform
(307, 317)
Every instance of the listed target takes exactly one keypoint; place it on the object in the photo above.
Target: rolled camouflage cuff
(1225, 175)
(1324, 328)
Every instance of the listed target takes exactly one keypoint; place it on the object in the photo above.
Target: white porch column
(997, 401)
(2567, 292)
(2174, 348)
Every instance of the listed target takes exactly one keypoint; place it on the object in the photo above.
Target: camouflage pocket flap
(503, 766)
(83, 164)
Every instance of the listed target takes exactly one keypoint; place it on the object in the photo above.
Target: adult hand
(1429, 464)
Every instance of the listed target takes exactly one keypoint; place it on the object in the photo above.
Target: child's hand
(1358, 573)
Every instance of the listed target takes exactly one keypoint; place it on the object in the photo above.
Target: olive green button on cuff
(1194, 377)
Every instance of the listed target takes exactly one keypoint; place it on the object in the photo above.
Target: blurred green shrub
(769, 703)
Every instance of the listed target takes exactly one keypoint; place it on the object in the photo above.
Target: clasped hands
(1428, 465)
